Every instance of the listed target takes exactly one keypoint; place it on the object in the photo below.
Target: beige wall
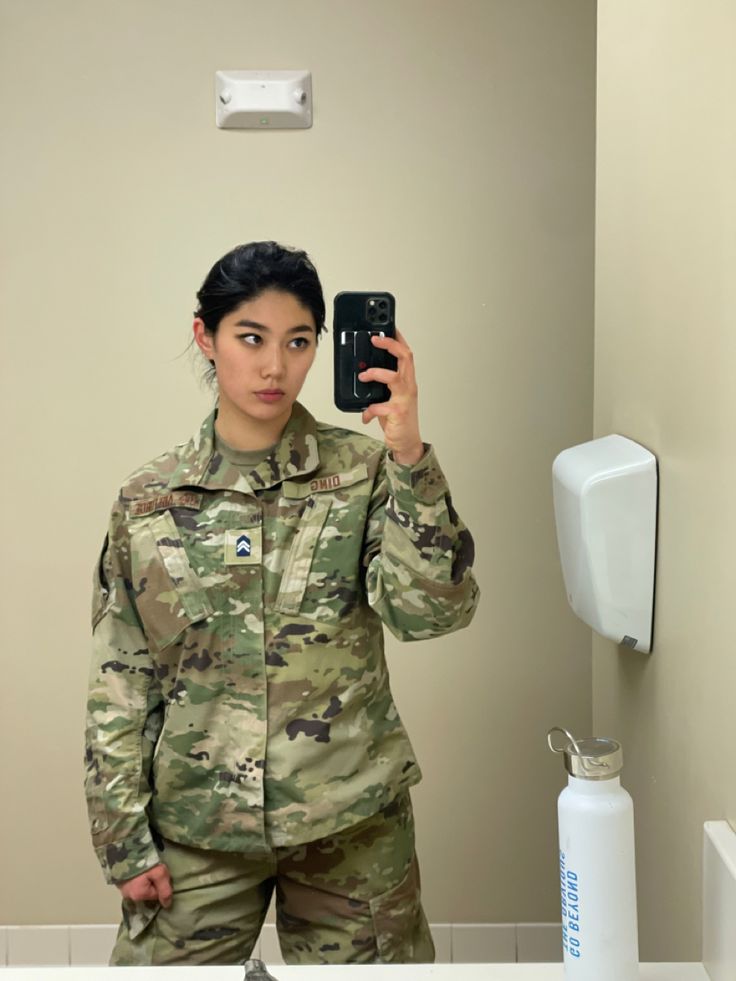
(451, 161)
(665, 354)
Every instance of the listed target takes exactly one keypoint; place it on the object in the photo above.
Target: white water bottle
(597, 868)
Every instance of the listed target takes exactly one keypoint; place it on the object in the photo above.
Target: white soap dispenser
(605, 501)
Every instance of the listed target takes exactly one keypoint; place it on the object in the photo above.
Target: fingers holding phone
(403, 379)
(399, 416)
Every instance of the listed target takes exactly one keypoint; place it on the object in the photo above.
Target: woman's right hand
(153, 884)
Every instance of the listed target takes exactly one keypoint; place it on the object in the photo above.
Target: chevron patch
(243, 546)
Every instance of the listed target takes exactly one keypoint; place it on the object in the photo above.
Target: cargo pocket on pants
(138, 916)
(400, 926)
(137, 937)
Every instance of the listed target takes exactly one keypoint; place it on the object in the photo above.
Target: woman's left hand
(399, 417)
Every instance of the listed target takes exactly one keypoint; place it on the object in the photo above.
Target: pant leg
(354, 897)
(217, 909)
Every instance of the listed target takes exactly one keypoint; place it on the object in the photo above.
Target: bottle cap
(590, 758)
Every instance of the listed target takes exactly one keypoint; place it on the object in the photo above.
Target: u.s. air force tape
(174, 499)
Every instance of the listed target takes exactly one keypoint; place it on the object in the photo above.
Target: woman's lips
(270, 395)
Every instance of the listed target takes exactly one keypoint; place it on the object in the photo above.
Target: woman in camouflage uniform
(241, 734)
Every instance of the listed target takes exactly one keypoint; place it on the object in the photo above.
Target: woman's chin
(263, 408)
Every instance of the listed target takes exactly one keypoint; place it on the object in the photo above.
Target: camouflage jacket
(239, 696)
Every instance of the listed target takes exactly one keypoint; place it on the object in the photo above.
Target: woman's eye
(300, 342)
(250, 338)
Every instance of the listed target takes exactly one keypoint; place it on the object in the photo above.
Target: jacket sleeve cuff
(128, 858)
(423, 482)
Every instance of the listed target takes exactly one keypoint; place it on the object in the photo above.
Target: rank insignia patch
(243, 546)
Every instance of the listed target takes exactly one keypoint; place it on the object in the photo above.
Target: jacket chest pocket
(169, 595)
(299, 561)
(321, 569)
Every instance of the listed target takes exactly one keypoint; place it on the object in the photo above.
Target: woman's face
(262, 352)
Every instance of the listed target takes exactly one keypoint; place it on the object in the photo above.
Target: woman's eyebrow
(299, 329)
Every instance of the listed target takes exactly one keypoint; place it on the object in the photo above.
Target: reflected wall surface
(665, 355)
(454, 168)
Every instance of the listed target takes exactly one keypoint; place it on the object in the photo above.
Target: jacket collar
(296, 453)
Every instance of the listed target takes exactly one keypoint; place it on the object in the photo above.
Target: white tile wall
(37, 946)
(442, 936)
(464, 943)
(91, 944)
(270, 949)
(538, 943)
(483, 943)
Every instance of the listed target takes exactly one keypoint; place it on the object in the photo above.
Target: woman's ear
(204, 341)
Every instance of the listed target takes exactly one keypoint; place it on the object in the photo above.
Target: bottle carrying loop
(562, 748)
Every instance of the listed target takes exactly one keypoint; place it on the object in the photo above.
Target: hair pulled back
(249, 270)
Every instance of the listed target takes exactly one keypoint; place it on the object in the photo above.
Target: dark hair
(249, 270)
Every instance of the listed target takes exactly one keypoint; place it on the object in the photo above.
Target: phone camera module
(377, 310)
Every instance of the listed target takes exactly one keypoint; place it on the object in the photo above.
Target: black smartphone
(357, 318)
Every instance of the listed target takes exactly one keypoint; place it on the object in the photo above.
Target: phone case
(357, 316)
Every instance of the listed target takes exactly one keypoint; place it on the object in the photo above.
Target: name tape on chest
(174, 499)
(326, 483)
(337, 481)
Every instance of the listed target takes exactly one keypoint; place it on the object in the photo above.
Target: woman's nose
(273, 365)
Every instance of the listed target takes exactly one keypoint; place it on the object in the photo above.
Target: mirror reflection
(537, 197)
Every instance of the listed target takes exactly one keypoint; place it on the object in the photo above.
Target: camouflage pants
(351, 898)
